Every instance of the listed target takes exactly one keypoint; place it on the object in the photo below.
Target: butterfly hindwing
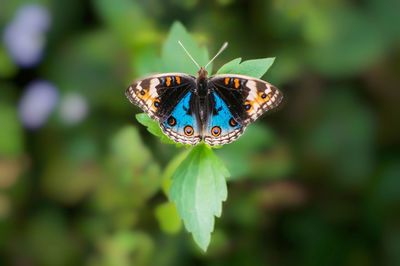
(222, 127)
(167, 99)
(248, 97)
(182, 125)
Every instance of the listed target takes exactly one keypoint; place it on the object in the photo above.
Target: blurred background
(316, 183)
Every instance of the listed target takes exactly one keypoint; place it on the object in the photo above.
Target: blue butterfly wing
(181, 125)
(222, 127)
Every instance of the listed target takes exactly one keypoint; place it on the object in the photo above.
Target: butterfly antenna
(194, 61)
(220, 51)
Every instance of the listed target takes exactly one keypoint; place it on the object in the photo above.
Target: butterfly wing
(222, 127)
(238, 101)
(167, 98)
(248, 98)
(182, 124)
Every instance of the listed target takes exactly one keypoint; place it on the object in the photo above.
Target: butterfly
(214, 109)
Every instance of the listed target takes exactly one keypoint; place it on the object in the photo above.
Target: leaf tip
(203, 242)
(140, 117)
(177, 24)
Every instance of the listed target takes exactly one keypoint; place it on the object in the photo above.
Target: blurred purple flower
(24, 36)
(73, 108)
(37, 103)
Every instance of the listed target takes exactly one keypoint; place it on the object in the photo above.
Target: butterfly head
(202, 74)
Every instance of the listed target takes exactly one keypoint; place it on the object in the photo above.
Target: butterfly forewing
(157, 95)
(251, 97)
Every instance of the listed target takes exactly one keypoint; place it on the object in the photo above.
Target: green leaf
(253, 68)
(168, 218)
(198, 190)
(174, 57)
(153, 127)
(170, 170)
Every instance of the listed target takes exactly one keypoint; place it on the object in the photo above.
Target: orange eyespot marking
(171, 121)
(178, 79)
(141, 94)
(188, 130)
(248, 106)
(168, 81)
(227, 81)
(232, 122)
(236, 81)
(264, 97)
(216, 131)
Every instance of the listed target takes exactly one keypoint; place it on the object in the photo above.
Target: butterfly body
(214, 109)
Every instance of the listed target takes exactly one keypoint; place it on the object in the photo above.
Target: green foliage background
(316, 183)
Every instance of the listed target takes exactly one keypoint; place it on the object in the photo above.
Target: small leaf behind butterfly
(153, 127)
(198, 190)
(173, 56)
(254, 68)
